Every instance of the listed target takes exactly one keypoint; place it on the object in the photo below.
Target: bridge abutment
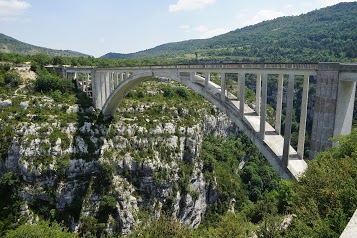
(333, 109)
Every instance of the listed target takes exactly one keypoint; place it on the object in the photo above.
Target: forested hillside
(327, 34)
(11, 45)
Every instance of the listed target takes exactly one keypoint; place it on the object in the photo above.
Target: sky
(96, 27)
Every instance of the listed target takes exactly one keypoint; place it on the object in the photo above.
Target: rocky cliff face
(113, 175)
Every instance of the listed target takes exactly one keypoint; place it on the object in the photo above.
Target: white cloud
(190, 5)
(205, 32)
(10, 9)
(262, 15)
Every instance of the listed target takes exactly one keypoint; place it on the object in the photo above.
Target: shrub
(168, 91)
(49, 83)
(42, 229)
(13, 79)
(183, 92)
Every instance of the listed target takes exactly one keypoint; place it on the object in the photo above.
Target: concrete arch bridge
(333, 110)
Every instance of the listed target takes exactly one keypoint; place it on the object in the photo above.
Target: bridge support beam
(263, 108)
(344, 107)
(279, 104)
(111, 78)
(303, 115)
(97, 90)
(242, 94)
(102, 89)
(207, 79)
(258, 93)
(288, 121)
(107, 85)
(223, 86)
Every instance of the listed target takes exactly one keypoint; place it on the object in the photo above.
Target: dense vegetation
(328, 34)
(323, 201)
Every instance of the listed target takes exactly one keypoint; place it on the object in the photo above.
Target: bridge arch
(226, 106)
(113, 101)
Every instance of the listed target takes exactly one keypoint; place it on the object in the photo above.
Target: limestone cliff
(77, 168)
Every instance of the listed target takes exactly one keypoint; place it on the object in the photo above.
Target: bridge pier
(288, 120)
(102, 88)
(241, 94)
(263, 106)
(303, 116)
(333, 109)
(223, 86)
(207, 79)
(258, 93)
(279, 104)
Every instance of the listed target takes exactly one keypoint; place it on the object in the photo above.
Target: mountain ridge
(326, 34)
(9, 44)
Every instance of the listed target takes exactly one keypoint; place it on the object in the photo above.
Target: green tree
(326, 196)
(41, 229)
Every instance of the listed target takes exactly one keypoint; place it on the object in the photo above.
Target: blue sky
(97, 27)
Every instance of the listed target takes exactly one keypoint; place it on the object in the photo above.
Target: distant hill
(11, 45)
(328, 34)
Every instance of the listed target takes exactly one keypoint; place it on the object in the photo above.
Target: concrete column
(107, 84)
(303, 114)
(242, 94)
(288, 121)
(102, 89)
(95, 89)
(279, 104)
(191, 76)
(87, 83)
(223, 86)
(83, 80)
(238, 87)
(327, 87)
(258, 93)
(263, 108)
(207, 79)
(344, 107)
(75, 77)
(116, 82)
(111, 78)
(121, 77)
